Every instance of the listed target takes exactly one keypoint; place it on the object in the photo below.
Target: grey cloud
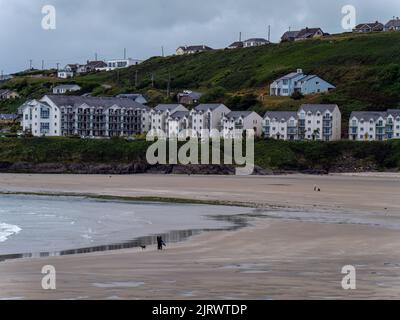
(143, 26)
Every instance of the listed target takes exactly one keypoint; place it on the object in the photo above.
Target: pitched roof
(8, 116)
(96, 64)
(290, 34)
(372, 25)
(191, 94)
(238, 114)
(237, 44)
(394, 112)
(195, 48)
(318, 107)
(257, 40)
(393, 23)
(180, 114)
(165, 107)
(286, 115)
(130, 95)
(367, 115)
(289, 76)
(208, 106)
(307, 32)
(67, 86)
(105, 102)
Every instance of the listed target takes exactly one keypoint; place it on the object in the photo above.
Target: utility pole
(30, 64)
(42, 64)
(58, 66)
(162, 51)
(269, 33)
(124, 53)
(95, 56)
(240, 36)
(169, 85)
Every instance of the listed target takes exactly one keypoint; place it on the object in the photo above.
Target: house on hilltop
(303, 34)
(192, 49)
(393, 25)
(369, 27)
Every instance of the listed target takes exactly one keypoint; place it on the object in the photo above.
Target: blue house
(299, 82)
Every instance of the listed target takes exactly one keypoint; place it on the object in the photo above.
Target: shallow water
(44, 225)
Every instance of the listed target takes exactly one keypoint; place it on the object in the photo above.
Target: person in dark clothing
(160, 243)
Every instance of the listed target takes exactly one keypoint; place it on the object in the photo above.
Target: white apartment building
(177, 122)
(208, 117)
(159, 116)
(310, 122)
(41, 119)
(374, 125)
(281, 125)
(84, 116)
(234, 123)
(320, 122)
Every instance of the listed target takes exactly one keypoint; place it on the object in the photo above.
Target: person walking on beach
(160, 243)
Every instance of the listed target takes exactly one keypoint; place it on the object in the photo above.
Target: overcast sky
(84, 27)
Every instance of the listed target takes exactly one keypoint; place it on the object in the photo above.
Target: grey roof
(393, 23)
(208, 106)
(237, 44)
(257, 40)
(307, 32)
(318, 107)
(195, 48)
(67, 86)
(373, 25)
(105, 102)
(394, 112)
(165, 107)
(290, 34)
(367, 115)
(286, 115)
(8, 116)
(289, 76)
(192, 94)
(180, 114)
(238, 114)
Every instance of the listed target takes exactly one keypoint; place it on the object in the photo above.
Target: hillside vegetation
(342, 156)
(364, 68)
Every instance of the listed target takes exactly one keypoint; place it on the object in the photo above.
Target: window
(44, 127)
(26, 117)
(44, 113)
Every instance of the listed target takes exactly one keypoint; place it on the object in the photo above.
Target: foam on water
(7, 230)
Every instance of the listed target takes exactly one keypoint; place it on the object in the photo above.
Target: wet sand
(273, 258)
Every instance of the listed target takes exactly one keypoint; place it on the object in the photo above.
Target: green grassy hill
(341, 156)
(365, 69)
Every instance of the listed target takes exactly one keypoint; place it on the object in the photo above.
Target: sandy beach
(352, 221)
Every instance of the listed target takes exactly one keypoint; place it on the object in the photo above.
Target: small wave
(7, 230)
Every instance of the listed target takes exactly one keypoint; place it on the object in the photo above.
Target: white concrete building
(320, 122)
(65, 88)
(374, 125)
(192, 49)
(234, 123)
(299, 82)
(208, 117)
(310, 122)
(177, 122)
(255, 42)
(41, 119)
(84, 116)
(120, 64)
(159, 116)
(281, 125)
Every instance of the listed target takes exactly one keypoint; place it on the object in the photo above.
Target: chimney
(299, 71)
